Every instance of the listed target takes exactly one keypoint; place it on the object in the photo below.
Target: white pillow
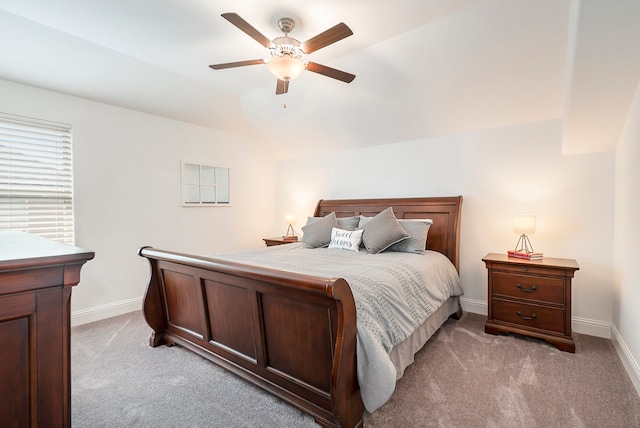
(345, 239)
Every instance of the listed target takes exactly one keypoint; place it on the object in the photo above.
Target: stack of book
(524, 255)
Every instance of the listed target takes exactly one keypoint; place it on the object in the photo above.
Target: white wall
(626, 316)
(127, 192)
(499, 172)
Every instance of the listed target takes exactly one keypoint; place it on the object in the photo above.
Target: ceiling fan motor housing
(286, 46)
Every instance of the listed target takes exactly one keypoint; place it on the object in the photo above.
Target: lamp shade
(285, 67)
(289, 218)
(524, 224)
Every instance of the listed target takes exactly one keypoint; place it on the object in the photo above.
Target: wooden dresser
(36, 276)
(531, 298)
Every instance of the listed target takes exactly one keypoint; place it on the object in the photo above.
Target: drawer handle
(527, 290)
(532, 317)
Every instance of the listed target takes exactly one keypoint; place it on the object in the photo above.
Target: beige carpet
(462, 378)
(466, 378)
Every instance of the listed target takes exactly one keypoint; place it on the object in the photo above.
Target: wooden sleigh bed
(291, 334)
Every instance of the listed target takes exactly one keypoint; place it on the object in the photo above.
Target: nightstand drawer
(518, 267)
(530, 316)
(530, 287)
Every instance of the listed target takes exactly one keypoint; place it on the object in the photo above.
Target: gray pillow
(349, 223)
(317, 232)
(363, 220)
(346, 223)
(382, 231)
(417, 242)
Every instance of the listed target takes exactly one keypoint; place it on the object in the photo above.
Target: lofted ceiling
(424, 68)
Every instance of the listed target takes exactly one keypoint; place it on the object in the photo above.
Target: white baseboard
(578, 325)
(591, 327)
(474, 306)
(98, 313)
(629, 363)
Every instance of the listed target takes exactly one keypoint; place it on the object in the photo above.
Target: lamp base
(291, 234)
(524, 245)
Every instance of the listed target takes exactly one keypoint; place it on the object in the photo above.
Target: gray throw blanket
(394, 294)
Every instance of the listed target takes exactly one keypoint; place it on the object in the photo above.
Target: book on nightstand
(524, 255)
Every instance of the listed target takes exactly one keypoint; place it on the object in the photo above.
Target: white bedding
(394, 294)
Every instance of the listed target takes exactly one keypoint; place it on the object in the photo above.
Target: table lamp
(524, 224)
(290, 219)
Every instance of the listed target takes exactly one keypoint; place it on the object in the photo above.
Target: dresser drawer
(530, 287)
(531, 316)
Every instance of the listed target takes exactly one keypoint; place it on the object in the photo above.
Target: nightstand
(279, 241)
(531, 297)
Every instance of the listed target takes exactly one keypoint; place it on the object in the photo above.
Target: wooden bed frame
(294, 335)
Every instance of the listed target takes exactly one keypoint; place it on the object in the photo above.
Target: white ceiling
(424, 67)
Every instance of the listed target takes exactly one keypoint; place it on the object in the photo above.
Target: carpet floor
(461, 378)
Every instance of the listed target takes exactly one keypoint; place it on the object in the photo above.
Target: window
(36, 192)
(205, 185)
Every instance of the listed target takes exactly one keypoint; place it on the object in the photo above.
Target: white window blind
(36, 192)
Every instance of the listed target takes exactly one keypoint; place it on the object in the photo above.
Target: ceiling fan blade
(325, 38)
(243, 25)
(330, 72)
(282, 87)
(237, 64)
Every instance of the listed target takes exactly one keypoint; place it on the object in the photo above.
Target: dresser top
(20, 248)
(544, 262)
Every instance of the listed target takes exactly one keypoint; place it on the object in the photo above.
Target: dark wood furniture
(292, 334)
(279, 240)
(36, 276)
(531, 297)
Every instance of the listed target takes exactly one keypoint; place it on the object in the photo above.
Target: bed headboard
(444, 234)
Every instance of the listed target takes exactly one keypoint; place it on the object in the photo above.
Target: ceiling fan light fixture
(285, 67)
(287, 52)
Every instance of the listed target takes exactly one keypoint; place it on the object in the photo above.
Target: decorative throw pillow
(317, 233)
(382, 231)
(345, 239)
(417, 242)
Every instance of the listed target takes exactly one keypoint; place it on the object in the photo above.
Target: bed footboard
(293, 335)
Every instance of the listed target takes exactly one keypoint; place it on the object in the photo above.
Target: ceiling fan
(287, 53)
